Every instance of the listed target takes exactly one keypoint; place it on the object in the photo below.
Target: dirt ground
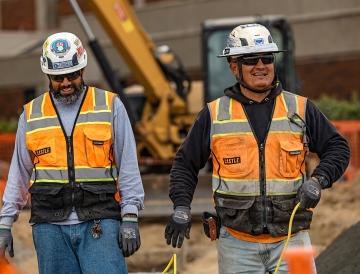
(339, 209)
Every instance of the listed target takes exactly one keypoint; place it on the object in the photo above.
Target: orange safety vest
(249, 178)
(85, 160)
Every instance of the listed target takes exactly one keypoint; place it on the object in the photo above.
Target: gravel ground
(338, 210)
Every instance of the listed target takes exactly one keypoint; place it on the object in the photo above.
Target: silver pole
(82, 19)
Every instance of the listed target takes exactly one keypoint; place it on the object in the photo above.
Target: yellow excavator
(164, 116)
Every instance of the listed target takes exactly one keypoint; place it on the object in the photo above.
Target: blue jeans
(72, 248)
(236, 256)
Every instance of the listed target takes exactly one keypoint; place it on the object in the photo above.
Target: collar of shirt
(235, 93)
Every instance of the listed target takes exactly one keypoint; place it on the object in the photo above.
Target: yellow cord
(173, 258)
(288, 237)
(172, 262)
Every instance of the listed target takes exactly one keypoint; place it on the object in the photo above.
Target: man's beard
(69, 99)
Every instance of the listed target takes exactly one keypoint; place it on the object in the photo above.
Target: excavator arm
(165, 115)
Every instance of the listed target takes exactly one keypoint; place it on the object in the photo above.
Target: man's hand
(309, 193)
(129, 236)
(6, 241)
(178, 226)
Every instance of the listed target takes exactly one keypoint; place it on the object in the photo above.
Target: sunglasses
(70, 76)
(254, 59)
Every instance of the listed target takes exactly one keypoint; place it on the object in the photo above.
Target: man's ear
(233, 65)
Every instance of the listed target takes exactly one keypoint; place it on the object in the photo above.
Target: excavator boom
(164, 114)
(123, 27)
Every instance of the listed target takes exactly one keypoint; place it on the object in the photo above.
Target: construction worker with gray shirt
(74, 152)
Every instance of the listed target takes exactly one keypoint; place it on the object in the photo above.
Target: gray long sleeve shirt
(131, 190)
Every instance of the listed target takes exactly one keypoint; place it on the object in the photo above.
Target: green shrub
(7, 126)
(336, 109)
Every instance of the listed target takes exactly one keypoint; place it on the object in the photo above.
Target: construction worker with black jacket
(258, 136)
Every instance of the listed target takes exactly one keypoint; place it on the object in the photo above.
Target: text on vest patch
(42, 151)
(232, 160)
(98, 142)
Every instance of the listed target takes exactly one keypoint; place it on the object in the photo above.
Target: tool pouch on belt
(211, 224)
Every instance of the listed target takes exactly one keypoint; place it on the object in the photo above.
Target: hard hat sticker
(46, 44)
(65, 64)
(60, 47)
(77, 42)
(80, 51)
(43, 60)
(259, 41)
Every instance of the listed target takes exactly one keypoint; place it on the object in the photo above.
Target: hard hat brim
(249, 53)
(63, 71)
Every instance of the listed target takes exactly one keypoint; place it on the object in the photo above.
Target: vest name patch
(232, 160)
(98, 142)
(42, 151)
(295, 152)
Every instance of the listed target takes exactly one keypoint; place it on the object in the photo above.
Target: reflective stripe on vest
(236, 153)
(93, 158)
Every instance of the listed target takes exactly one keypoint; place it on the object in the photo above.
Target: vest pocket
(235, 212)
(98, 144)
(44, 151)
(47, 196)
(291, 158)
(231, 152)
(95, 194)
(282, 209)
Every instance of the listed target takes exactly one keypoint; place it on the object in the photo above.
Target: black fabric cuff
(323, 180)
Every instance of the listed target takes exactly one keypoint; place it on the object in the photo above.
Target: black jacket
(324, 140)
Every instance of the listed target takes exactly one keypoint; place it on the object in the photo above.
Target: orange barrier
(7, 143)
(350, 129)
(2, 187)
(7, 268)
(300, 260)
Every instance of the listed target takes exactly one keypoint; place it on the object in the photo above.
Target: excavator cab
(214, 34)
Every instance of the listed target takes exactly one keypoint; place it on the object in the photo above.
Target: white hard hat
(249, 39)
(62, 53)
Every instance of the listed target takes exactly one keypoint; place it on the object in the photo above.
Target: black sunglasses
(70, 76)
(254, 59)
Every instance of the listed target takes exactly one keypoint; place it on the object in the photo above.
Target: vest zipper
(262, 182)
(262, 171)
(69, 145)
(71, 169)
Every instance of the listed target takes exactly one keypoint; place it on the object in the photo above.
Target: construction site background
(327, 50)
(327, 57)
(325, 33)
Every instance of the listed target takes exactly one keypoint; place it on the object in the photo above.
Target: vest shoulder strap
(34, 108)
(220, 108)
(102, 99)
(296, 104)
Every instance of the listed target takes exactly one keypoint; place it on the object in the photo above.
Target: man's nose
(65, 82)
(260, 63)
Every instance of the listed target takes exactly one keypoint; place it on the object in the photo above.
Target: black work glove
(129, 236)
(309, 193)
(178, 226)
(6, 241)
